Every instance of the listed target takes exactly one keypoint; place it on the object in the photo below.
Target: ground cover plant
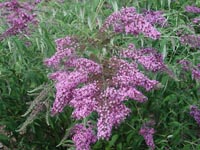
(99, 74)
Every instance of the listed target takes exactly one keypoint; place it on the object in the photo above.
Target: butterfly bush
(102, 86)
(192, 9)
(155, 17)
(196, 20)
(147, 57)
(147, 133)
(129, 21)
(196, 74)
(37, 1)
(18, 15)
(189, 67)
(83, 137)
(186, 65)
(195, 113)
(191, 40)
(65, 47)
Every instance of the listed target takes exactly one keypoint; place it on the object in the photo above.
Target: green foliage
(22, 70)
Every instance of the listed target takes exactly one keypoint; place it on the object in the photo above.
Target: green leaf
(113, 140)
(4, 139)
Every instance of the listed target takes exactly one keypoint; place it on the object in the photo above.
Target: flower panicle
(147, 132)
(103, 86)
(195, 113)
(128, 21)
(192, 9)
(83, 136)
(155, 17)
(19, 15)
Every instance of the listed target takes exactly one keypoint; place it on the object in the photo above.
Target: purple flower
(195, 113)
(83, 137)
(65, 84)
(155, 17)
(19, 16)
(84, 100)
(186, 65)
(65, 43)
(128, 21)
(147, 134)
(147, 57)
(192, 9)
(196, 20)
(111, 112)
(198, 66)
(191, 40)
(128, 75)
(196, 74)
(88, 86)
(55, 60)
(87, 65)
(37, 1)
(65, 50)
(133, 93)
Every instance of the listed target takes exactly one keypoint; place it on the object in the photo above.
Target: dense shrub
(105, 55)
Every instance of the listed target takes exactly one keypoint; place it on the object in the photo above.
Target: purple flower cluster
(196, 74)
(147, 133)
(75, 71)
(37, 1)
(85, 65)
(65, 84)
(18, 16)
(65, 48)
(83, 137)
(195, 113)
(128, 75)
(147, 57)
(129, 21)
(196, 20)
(90, 87)
(192, 9)
(121, 86)
(155, 17)
(84, 100)
(111, 111)
(188, 66)
(191, 40)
